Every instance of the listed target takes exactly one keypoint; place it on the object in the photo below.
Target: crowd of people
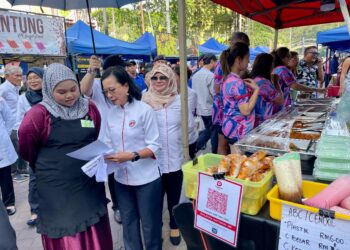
(139, 117)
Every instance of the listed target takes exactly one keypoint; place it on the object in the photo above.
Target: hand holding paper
(94, 153)
(120, 157)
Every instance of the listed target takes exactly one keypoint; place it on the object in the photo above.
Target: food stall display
(253, 172)
(333, 150)
(312, 196)
(297, 128)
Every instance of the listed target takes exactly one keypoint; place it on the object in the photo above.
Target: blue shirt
(140, 82)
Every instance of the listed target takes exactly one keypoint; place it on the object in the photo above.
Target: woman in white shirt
(132, 131)
(192, 104)
(33, 96)
(7, 157)
(164, 99)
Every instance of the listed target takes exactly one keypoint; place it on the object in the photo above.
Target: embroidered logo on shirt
(132, 123)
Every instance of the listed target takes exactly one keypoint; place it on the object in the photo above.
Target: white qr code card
(218, 208)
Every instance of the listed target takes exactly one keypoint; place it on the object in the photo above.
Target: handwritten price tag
(302, 229)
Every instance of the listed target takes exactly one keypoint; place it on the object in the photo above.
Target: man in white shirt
(9, 90)
(91, 87)
(203, 85)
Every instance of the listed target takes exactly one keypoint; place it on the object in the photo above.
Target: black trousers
(33, 198)
(20, 166)
(192, 148)
(111, 187)
(8, 235)
(141, 204)
(172, 184)
(6, 185)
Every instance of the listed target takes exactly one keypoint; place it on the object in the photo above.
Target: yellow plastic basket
(310, 189)
(254, 193)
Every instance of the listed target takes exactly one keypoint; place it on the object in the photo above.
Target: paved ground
(28, 239)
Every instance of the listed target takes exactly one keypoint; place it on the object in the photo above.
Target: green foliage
(205, 19)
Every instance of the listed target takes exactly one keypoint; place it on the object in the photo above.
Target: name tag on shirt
(87, 124)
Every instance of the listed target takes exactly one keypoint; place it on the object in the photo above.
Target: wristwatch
(136, 157)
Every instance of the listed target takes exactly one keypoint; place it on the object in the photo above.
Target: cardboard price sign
(302, 229)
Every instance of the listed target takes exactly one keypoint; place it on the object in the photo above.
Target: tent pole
(275, 41)
(183, 76)
(91, 30)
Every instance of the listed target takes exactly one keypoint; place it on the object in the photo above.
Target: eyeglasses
(110, 90)
(314, 52)
(161, 78)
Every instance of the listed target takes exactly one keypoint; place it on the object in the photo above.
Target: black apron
(69, 201)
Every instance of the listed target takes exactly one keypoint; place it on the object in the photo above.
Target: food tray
(254, 193)
(275, 145)
(315, 102)
(310, 189)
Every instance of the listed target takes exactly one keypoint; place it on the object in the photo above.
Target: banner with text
(30, 34)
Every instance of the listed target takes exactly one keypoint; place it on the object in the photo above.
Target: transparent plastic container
(254, 193)
(333, 147)
(327, 174)
(333, 165)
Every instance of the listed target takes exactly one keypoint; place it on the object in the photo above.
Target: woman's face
(286, 59)
(114, 91)
(34, 81)
(160, 82)
(66, 93)
(293, 62)
(243, 63)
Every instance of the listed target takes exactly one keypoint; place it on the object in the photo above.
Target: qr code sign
(217, 201)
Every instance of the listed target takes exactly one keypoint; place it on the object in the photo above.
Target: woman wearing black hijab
(31, 97)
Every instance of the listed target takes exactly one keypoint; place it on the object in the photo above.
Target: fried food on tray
(240, 166)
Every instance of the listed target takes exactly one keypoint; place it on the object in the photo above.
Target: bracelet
(91, 71)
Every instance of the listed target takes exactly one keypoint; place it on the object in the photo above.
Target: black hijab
(35, 96)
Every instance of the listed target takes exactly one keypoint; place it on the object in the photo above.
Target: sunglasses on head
(161, 78)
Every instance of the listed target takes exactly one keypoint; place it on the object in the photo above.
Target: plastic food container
(254, 193)
(310, 189)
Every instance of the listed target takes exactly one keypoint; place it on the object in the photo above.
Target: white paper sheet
(91, 150)
(94, 153)
(90, 168)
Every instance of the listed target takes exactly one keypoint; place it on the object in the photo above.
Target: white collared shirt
(171, 155)
(130, 129)
(203, 85)
(10, 93)
(102, 104)
(23, 106)
(7, 151)
(192, 104)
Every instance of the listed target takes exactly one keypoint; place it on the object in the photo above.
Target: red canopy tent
(281, 14)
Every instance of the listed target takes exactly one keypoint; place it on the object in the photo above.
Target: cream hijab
(158, 100)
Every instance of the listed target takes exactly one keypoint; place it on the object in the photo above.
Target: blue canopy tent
(256, 51)
(212, 46)
(147, 39)
(79, 44)
(335, 39)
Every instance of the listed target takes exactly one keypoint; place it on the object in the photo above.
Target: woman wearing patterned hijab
(163, 97)
(72, 207)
